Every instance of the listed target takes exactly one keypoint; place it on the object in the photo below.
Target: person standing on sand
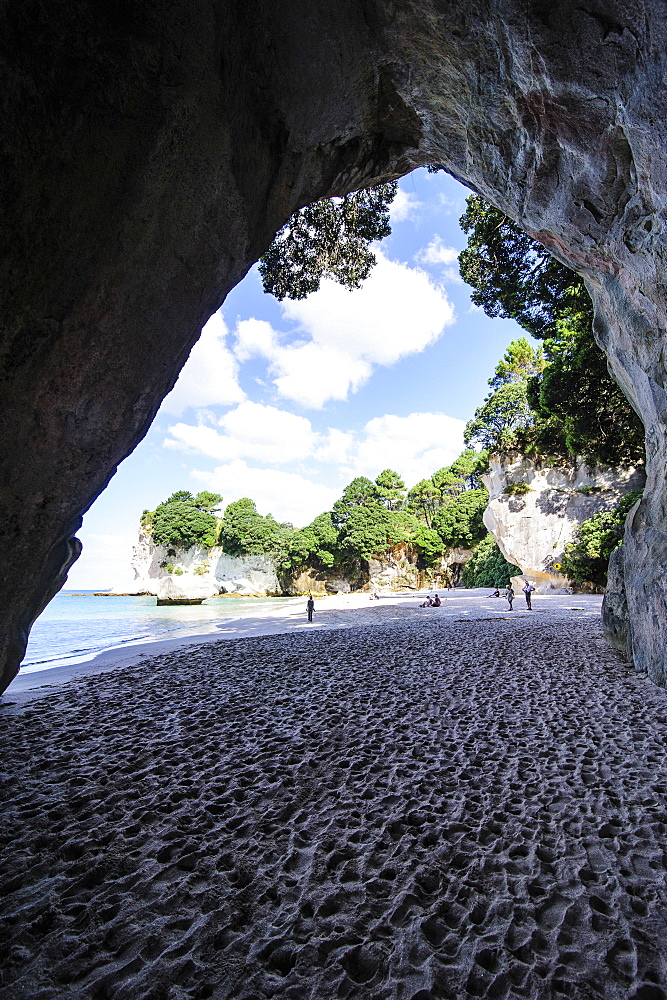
(310, 607)
(528, 589)
(509, 594)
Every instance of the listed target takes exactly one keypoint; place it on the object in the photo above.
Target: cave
(150, 152)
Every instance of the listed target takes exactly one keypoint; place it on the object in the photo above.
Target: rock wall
(150, 152)
(533, 527)
(199, 573)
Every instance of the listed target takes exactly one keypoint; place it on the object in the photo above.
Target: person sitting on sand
(509, 594)
(496, 593)
(437, 602)
(427, 603)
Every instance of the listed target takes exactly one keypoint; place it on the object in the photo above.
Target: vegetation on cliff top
(371, 517)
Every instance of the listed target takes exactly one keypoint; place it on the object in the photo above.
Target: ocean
(76, 625)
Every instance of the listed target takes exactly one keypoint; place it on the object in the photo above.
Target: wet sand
(419, 808)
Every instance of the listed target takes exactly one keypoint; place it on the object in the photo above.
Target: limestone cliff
(535, 508)
(199, 573)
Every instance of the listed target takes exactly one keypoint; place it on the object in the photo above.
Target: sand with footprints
(420, 809)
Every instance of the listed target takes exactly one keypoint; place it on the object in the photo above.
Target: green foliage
(423, 500)
(245, 532)
(586, 558)
(315, 545)
(576, 407)
(459, 521)
(512, 275)
(184, 520)
(391, 489)
(469, 466)
(504, 412)
(488, 567)
(516, 489)
(519, 363)
(330, 239)
(146, 519)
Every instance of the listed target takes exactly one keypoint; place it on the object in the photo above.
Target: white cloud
(398, 311)
(209, 376)
(404, 207)
(415, 446)
(105, 562)
(286, 495)
(437, 253)
(335, 447)
(262, 433)
(255, 337)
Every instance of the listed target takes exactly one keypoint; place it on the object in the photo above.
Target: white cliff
(535, 508)
(198, 573)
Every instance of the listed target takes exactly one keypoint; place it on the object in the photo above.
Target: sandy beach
(392, 804)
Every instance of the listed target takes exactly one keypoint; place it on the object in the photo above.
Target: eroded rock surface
(533, 527)
(149, 153)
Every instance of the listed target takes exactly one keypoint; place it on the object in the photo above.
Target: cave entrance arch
(150, 156)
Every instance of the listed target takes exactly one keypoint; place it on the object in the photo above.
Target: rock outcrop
(535, 508)
(150, 152)
(199, 573)
(196, 574)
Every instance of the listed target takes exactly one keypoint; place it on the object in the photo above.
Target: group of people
(431, 602)
(509, 594)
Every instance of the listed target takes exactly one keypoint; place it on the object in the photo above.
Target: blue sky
(287, 402)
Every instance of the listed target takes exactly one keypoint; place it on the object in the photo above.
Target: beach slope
(425, 809)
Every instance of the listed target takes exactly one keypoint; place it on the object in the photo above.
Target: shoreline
(331, 612)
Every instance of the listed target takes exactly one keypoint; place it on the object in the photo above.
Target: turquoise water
(76, 625)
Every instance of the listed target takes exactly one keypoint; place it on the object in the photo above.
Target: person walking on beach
(528, 589)
(509, 594)
(310, 607)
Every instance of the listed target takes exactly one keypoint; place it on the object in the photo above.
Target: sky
(287, 402)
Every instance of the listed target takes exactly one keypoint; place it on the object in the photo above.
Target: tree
(184, 520)
(469, 466)
(488, 567)
(512, 275)
(447, 484)
(423, 500)
(317, 545)
(246, 532)
(391, 489)
(361, 492)
(576, 404)
(207, 501)
(519, 363)
(502, 414)
(329, 239)
(586, 557)
(459, 521)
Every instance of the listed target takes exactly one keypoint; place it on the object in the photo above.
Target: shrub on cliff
(184, 520)
(586, 557)
(488, 567)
